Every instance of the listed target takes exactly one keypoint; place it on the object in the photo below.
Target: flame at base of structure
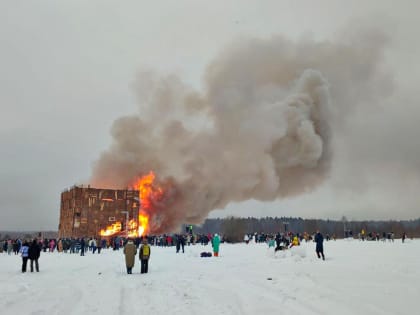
(111, 230)
(136, 228)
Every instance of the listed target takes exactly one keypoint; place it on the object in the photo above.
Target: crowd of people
(66, 245)
(284, 241)
(375, 236)
(28, 250)
(31, 250)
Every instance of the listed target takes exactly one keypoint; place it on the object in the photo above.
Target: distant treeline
(235, 227)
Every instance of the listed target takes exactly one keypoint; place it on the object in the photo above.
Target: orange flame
(147, 192)
(143, 224)
(144, 185)
(111, 230)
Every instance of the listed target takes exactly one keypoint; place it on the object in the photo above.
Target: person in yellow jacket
(295, 242)
(144, 255)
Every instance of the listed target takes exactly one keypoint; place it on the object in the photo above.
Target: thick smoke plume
(260, 129)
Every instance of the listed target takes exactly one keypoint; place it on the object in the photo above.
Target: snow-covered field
(356, 278)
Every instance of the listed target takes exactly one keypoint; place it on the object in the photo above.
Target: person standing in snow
(278, 239)
(82, 246)
(130, 252)
(105, 244)
(319, 240)
(9, 247)
(246, 238)
(180, 243)
(24, 250)
(94, 245)
(16, 247)
(216, 244)
(295, 242)
(52, 245)
(34, 253)
(144, 256)
(99, 246)
(60, 245)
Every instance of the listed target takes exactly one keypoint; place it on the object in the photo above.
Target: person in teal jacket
(216, 244)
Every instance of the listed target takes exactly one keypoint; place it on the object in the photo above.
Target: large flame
(147, 193)
(143, 224)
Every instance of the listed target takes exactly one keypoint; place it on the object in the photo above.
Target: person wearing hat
(216, 244)
(130, 252)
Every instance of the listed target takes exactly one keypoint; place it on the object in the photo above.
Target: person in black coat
(34, 254)
(319, 240)
(180, 243)
(82, 246)
(278, 240)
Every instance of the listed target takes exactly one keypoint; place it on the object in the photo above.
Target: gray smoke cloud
(259, 129)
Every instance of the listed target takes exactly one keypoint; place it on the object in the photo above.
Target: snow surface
(356, 278)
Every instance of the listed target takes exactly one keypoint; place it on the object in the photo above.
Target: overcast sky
(67, 69)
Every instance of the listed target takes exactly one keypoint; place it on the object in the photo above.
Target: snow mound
(298, 251)
(280, 254)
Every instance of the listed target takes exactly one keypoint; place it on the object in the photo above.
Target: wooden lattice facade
(84, 211)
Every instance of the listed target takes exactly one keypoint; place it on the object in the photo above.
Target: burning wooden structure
(92, 212)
